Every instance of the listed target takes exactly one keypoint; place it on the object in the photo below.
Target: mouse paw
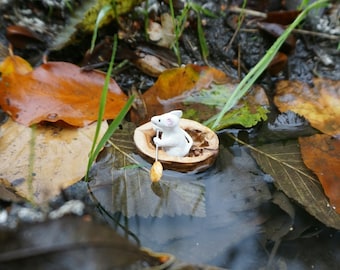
(157, 141)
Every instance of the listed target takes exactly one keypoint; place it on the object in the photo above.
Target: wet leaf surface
(63, 243)
(56, 91)
(321, 154)
(319, 104)
(60, 158)
(279, 225)
(201, 91)
(284, 163)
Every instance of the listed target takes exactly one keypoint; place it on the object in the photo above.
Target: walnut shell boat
(202, 153)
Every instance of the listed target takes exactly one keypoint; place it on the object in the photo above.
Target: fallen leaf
(163, 34)
(56, 156)
(284, 163)
(274, 31)
(62, 244)
(279, 224)
(321, 154)
(319, 104)
(283, 17)
(22, 37)
(14, 64)
(55, 91)
(200, 92)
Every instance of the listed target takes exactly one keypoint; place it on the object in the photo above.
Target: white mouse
(175, 141)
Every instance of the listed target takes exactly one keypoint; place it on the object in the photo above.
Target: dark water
(224, 216)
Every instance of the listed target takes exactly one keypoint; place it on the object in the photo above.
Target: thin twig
(248, 12)
(156, 155)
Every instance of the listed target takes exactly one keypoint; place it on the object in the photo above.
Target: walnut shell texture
(201, 156)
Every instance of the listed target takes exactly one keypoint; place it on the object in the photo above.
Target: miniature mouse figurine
(175, 141)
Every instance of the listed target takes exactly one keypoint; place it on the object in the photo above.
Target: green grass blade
(102, 13)
(102, 103)
(111, 129)
(249, 80)
(202, 40)
(175, 24)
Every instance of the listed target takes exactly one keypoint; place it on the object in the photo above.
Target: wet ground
(238, 225)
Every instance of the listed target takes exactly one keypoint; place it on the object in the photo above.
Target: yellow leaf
(56, 158)
(319, 104)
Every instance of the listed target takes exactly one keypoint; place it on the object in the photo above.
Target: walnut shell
(201, 156)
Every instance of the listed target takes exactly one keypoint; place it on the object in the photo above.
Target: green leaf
(243, 116)
(283, 162)
(102, 13)
(248, 113)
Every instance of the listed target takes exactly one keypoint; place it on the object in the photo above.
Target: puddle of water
(196, 217)
(220, 217)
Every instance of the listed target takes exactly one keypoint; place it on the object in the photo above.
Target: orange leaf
(165, 94)
(319, 104)
(321, 154)
(14, 64)
(57, 91)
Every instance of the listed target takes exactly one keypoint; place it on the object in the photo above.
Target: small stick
(156, 156)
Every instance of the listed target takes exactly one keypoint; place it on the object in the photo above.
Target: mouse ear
(170, 122)
(178, 113)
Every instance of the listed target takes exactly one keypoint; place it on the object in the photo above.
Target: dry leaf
(321, 154)
(162, 33)
(14, 64)
(59, 158)
(55, 91)
(283, 162)
(319, 104)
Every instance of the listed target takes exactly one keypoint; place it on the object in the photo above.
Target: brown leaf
(274, 31)
(22, 36)
(321, 154)
(282, 160)
(175, 84)
(319, 104)
(56, 91)
(57, 157)
(283, 17)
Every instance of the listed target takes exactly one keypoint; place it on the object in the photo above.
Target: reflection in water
(186, 214)
(224, 216)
